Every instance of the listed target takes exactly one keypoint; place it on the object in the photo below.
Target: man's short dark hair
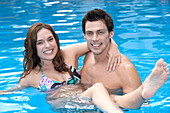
(98, 14)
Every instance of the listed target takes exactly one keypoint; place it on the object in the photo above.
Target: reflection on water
(141, 31)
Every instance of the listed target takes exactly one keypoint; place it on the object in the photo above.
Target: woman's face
(47, 47)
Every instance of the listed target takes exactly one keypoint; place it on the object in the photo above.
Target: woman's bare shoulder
(31, 79)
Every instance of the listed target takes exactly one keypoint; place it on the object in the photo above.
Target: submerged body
(69, 97)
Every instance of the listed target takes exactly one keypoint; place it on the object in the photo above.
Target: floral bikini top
(47, 84)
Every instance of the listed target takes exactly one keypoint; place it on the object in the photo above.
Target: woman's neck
(47, 64)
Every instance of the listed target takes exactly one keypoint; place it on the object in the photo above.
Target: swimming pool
(142, 32)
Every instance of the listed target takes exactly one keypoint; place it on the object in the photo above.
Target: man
(98, 30)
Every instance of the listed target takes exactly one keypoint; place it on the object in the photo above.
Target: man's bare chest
(100, 74)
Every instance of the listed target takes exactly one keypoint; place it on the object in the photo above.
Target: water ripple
(51, 3)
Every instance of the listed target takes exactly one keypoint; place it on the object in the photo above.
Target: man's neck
(103, 56)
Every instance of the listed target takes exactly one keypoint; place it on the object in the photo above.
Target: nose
(95, 37)
(47, 45)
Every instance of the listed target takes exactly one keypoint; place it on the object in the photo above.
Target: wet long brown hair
(31, 58)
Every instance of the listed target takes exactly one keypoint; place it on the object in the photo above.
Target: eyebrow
(50, 36)
(42, 39)
(97, 30)
(39, 40)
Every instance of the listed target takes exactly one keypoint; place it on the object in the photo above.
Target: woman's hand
(13, 90)
(114, 56)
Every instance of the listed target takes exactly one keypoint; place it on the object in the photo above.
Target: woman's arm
(13, 89)
(113, 56)
(72, 52)
(30, 80)
(77, 50)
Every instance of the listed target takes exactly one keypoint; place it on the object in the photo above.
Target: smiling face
(97, 36)
(46, 45)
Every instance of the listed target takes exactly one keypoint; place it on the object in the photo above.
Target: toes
(160, 62)
(165, 64)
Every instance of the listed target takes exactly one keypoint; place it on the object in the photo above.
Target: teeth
(48, 51)
(95, 45)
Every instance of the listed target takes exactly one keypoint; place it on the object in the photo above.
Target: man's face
(97, 36)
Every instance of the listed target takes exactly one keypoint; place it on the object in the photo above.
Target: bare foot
(156, 79)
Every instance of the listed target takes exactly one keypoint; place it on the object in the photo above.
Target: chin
(96, 53)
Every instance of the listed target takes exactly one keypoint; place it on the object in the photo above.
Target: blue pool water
(142, 32)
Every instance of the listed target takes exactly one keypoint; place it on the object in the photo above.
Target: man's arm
(129, 76)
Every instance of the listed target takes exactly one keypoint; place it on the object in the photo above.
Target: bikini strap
(75, 72)
(41, 70)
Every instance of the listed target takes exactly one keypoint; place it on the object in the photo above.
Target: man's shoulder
(88, 57)
(126, 67)
(125, 61)
(128, 75)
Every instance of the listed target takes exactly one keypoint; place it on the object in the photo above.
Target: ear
(111, 33)
(85, 37)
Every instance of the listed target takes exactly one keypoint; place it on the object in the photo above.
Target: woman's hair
(31, 58)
